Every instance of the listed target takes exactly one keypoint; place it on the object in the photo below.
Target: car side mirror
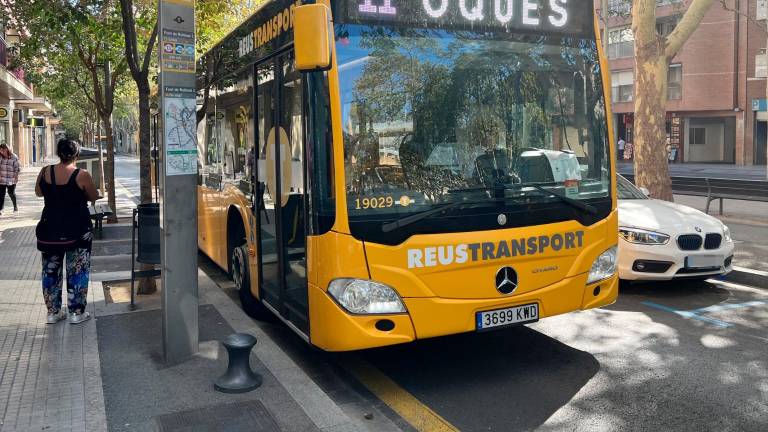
(645, 191)
(313, 35)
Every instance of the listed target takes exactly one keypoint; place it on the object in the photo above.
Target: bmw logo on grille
(506, 280)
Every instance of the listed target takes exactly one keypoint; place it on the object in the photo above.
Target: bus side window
(210, 161)
(320, 181)
(236, 129)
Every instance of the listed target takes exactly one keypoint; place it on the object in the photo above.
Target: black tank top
(66, 202)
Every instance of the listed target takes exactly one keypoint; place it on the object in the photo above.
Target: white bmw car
(660, 240)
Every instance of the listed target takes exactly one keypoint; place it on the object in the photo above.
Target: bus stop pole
(178, 181)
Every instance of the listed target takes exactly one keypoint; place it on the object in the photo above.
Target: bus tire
(242, 278)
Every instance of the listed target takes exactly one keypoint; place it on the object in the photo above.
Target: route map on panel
(181, 123)
(180, 115)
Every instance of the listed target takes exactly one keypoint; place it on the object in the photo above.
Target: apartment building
(716, 109)
(27, 120)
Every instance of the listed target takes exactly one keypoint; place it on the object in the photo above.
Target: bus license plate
(508, 316)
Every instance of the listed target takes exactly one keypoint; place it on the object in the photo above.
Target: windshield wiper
(573, 202)
(408, 220)
(499, 188)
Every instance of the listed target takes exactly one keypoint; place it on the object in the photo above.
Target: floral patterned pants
(78, 275)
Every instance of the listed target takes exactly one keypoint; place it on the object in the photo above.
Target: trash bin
(149, 233)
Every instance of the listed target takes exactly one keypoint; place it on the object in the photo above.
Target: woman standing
(9, 176)
(64, 233)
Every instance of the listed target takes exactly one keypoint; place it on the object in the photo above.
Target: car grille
(713, 241)
(689, 242)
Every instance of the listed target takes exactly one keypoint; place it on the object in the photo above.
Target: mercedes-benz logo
(506, 280)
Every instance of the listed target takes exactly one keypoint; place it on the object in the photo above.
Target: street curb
(317, 405)
(746, 276)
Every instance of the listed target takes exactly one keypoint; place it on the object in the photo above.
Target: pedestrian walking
(64, 233)
(9, 176)
(620, 145)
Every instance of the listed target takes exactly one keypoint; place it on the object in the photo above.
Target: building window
(675, 82)
(624, 7)
(665, 25)
(698, 136)
(623, 87)
(619, 7)
(621, 43)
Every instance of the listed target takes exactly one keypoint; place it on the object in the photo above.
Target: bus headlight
(359, 296)
(603, 267)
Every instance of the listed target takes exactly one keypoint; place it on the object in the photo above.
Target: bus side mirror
(313, 35)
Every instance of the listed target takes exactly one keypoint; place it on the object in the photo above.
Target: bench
(718, 189)
(98, 213)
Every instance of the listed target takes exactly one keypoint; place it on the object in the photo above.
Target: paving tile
(44, 369)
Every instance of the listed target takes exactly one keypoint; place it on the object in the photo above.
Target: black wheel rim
(237, 268)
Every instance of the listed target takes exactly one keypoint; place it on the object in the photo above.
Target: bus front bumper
(333, 329)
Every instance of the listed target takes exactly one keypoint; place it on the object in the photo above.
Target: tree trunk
(145, 160)
(650, 156)
(146, 285)
(652, 55)
(109, 169)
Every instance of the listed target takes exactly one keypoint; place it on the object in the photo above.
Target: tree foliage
(68, 46)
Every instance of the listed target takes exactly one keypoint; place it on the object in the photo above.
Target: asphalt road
(630, 366)
(751, 245)
(690, 356)
(127, 173)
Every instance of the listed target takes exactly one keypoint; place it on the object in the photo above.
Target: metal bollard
(239, 377)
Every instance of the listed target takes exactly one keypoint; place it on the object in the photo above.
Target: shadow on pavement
(683, 294)
(506, 380)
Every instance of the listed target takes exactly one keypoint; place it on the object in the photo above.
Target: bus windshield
(433, 117)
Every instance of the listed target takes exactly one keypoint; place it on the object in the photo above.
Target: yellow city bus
(447, 169)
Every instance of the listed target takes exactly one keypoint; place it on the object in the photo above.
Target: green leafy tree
(75, 41)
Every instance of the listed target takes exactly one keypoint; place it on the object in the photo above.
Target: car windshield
(437, 116)
(626, 190)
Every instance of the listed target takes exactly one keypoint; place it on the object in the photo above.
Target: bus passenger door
(281, 211)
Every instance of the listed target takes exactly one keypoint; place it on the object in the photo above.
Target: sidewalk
(107, 373)
(50, 377)
(711, 170)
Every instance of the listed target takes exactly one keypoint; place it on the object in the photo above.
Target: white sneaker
(54, 318)
(75, 318)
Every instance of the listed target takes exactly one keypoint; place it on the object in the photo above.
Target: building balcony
(13, 84)
(37, 103)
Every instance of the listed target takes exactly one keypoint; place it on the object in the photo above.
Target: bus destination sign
(560, 16)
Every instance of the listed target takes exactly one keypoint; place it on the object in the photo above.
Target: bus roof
(240, 23)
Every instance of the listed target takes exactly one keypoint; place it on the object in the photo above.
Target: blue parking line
(689, 314)
(718, 308)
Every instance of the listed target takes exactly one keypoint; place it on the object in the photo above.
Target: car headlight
(640, 236)
(359, 296)
(727, 233)
(603, 267)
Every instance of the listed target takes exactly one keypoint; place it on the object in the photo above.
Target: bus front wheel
(242, 278)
